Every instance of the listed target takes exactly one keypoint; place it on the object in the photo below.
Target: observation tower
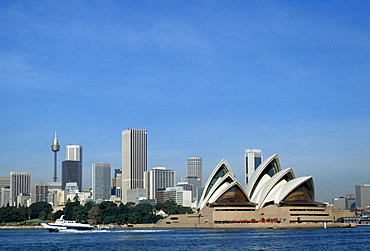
(55, 148)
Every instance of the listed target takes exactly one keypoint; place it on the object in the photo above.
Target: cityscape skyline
(207, 79)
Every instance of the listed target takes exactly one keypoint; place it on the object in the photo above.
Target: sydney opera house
(271, 194)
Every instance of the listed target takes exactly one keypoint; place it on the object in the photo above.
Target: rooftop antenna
(55, 148)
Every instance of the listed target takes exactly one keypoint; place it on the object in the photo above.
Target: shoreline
(211, 226)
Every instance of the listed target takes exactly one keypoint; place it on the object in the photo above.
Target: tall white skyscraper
(252, 159)
(20, 182)
(101, 179)
(74, 152)
(134, 160)
(158, 177)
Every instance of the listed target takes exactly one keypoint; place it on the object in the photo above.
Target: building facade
(74, 152)
(20, 183)
(117, 183)
(71, 172)
(362, 195)
(5, 196)
(101, 178)
(4, 181)
(134, 160)
(179, 195)
(194, 174)
(158, 177)
(252, 159)
(39, 192)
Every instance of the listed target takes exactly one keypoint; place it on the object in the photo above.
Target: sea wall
(259, 225)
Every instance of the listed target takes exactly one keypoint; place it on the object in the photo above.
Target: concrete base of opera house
(256, 225)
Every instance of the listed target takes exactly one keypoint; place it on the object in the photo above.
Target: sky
(205, 78)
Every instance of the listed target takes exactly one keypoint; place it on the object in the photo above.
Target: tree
(40, 210)
(94, 215)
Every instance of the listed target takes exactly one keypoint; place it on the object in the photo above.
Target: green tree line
(104, 213)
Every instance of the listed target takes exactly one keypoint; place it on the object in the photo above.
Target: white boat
(62, 224)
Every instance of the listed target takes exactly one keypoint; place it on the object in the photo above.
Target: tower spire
(55, 148)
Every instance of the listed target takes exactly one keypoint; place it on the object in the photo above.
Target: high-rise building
(101, 178)
(71, 172)
(20, 183)
(362, 195)
(74, 152)
(350, 201)
(117, 183)
(179, 195)
(5, 196)
(158, 177)
(134, 160)
(252, 159)
(194, 174)
(339, 203)
(72, 166)
(4, 181)
(39, 192)
(54, 188)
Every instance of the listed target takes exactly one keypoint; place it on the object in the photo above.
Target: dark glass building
(71, 172)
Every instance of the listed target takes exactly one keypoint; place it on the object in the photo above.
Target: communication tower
(55, 148)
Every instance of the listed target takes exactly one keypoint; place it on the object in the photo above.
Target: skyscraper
(74, 152)
(134, 160)
(20, 182)
(362, 195)
(117, 183)
(158, 177)
(252, 159)
(101, 178)
(194, 174)
(72, 166)
(4, 181)
(71, 172)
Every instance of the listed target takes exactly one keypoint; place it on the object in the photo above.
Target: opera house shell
(271, 194)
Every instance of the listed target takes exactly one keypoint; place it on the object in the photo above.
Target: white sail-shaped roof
(275, 183)
(260, 195)
(262, 174)
(222, 169)
(268, 184)
(279, 195)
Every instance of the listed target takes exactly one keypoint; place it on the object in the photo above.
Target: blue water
(185, 239)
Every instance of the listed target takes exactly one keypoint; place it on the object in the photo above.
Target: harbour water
(188, 239)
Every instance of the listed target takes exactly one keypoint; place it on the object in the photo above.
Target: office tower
(179, 195)
(194, 174)
(20, 183)
(362, 195)
(117, 183)
(252, 159)
(101, 178)
(53, 189)
(350, 201)
(74, 152)
(71, 172)
(136, 195)
(339, 203)
(158, 177)
(55, 148)
(134, 160)
(4, 181)
(194, 168)
(39, 192)
(5, 196)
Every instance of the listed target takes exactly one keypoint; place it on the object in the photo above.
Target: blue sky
(204, 78)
